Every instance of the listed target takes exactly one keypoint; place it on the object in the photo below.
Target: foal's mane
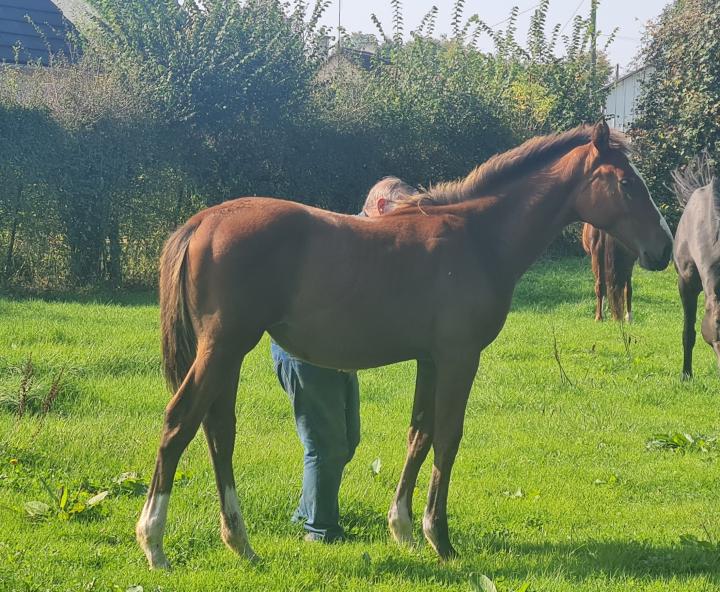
(698, 173)
(529, 156)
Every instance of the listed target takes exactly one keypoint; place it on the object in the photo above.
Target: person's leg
(319, 402)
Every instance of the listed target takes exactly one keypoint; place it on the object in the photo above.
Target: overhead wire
(572, 16)
(518, 14)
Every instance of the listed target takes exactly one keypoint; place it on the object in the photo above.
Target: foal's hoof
(449, 553)
(401, 529)
(153, 551)
(441, 545)
(157, 560)
(685, 376)
(445, 551)
(161, 564)
(403, 536)
(243, 550)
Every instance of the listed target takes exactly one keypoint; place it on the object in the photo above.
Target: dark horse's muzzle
(656, 263)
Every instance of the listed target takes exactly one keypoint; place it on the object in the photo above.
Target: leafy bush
(678, 114)
(168, 107)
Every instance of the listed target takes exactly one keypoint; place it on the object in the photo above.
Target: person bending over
(326, 405)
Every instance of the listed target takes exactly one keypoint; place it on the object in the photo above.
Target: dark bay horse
(612, 265)
(431, 281)
(697, 255)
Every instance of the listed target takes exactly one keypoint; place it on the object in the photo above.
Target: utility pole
(593, 49)
(339, 24)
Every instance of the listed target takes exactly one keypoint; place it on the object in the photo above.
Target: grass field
(554, 488)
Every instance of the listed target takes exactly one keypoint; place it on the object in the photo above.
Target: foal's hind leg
(219, 426)
(182, 419)
(419, 442)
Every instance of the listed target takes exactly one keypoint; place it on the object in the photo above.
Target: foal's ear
(601, 136)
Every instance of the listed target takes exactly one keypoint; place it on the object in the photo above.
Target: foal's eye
(625, 185)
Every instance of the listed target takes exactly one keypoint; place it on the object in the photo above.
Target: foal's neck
(530, 212)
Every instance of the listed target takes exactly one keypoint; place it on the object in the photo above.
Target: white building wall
(621, 102)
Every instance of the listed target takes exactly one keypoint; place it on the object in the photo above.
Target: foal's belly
(345, 350)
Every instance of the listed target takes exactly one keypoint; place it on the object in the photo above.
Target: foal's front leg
(419, 442)
(454, 380)
(689, 288)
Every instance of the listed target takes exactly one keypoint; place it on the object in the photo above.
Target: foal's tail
(179, 343)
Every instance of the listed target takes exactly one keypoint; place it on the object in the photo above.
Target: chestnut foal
(612, 265)
(431, 281)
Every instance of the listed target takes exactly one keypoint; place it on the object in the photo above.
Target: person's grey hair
(392, 189)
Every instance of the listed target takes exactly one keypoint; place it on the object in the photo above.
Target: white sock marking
(400, 522)
(428, 531)
(151, 528)
(232, 525)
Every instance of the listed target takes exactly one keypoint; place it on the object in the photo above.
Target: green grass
(553, 484)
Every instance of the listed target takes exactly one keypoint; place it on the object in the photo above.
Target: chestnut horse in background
(612, 265)
(431, 281)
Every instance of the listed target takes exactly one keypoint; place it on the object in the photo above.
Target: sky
(630, 16)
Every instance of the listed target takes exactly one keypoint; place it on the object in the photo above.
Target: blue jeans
(326, 404)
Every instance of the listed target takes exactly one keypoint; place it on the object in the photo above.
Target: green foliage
(432, 109)
(482, 583)
(173, 106)
(423, 115)
(678, 113)
(32, 394)
(66, 504)
(128, 483)
(680, 441)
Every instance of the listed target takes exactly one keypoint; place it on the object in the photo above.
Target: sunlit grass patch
(606, 480)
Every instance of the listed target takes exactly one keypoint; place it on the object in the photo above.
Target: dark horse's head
(617, 200)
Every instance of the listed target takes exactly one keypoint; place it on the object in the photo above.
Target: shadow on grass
(636, 559)
(577, 561)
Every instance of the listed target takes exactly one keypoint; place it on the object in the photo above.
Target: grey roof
(31, 30)
(621, 78)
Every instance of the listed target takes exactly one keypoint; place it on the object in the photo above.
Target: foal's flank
(442, 269)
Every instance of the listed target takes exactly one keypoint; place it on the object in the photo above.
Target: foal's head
(617, 200)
